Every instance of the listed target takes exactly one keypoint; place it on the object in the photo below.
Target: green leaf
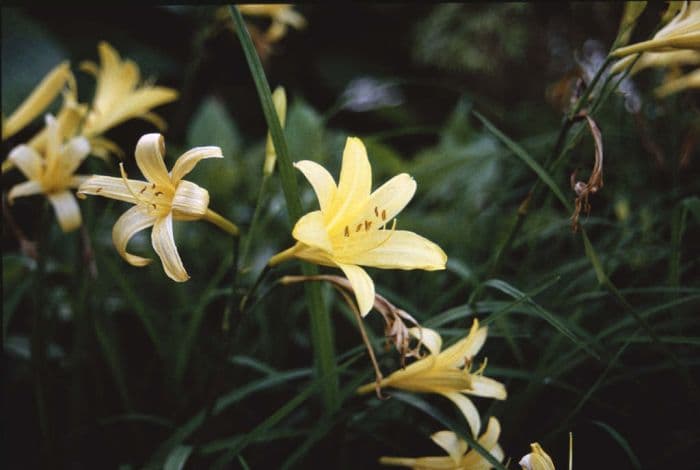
(178, 458)
(619, 438)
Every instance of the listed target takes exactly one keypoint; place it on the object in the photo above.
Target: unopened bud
(279, 98)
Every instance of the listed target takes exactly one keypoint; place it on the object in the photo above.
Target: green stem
(321, 328)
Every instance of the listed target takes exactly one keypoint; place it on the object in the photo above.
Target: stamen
(376, 211)
(138, 197)
(368, 224)
(98, 190)
(482, 367)
(347, 231)
(158, 193)
(143, 189)
(383, 214)
(359, 227)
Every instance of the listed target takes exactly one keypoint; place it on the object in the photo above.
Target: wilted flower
(459, 456)
(448, 373)
(119, 96)
(164, 197)
(52, 174)
(349, 230)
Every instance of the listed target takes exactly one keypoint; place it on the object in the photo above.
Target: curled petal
(362, 285)
(129, 223)
(489, 441)
(322, 182)
(486, 387)
(27, 188)
(163, 242)
(149, 158)
(189, 159)
(354, 183)
(156, 120)
(27, 160)
(452, 444)
(67, 210)
(109, 186)
(103, 148)
(390, 198)
(190, 201)
(311, 231)
(468, 409)
(399, 249)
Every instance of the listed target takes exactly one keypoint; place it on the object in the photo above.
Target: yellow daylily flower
(38, 100)
(120, 96)
(459, 457)
(682, 32)
(164, 197)
(447, 373)
(282, 16)
(689, 80)
(349, 230)
(674, 58)
(52, 174)
(538, 459)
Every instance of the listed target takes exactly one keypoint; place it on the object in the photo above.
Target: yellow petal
(76, 180)
(69, 119)
(27, 160)
(489, 441)
(108, 186)
(149, 157)
(311, 231)
(154, 119)
(468, 409)
(102, 148)
(399, 249)
(53, 140)
(430, 339)
(687, 81)
(27, 188)
(362, 285)
(486, 387)
(132, 104)
(189, 159)
(190, 201)
(74, 152)
(538, 459)
(129, 223)
(322, 182)
(465, 348)
(312, 254)
(163, 242)
(452, 444)
(354, 184)
(390, 198)
(37, 101)
(67, 210)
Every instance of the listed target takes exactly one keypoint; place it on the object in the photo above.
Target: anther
(383, 214)
(153, 186)
(143, 189)
(376, 211)
(359, 227)
(154, 206)
(98, 190)
(368, 224)
(158, 193)
(347, 231)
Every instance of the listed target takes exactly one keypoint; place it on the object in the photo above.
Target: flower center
(155, 199)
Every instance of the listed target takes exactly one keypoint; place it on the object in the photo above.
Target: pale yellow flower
(164, 197)
(281, 15)
(538, 459)
(120, 95)
(676, 58)
(38, 100)
(350, 231)
(447, 373)
(687, 81)
(682, 32)
(52, 174)
(459, 457)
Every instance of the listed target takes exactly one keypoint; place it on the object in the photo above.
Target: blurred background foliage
(133, 357)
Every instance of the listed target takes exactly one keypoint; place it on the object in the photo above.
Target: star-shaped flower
(351, 228)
